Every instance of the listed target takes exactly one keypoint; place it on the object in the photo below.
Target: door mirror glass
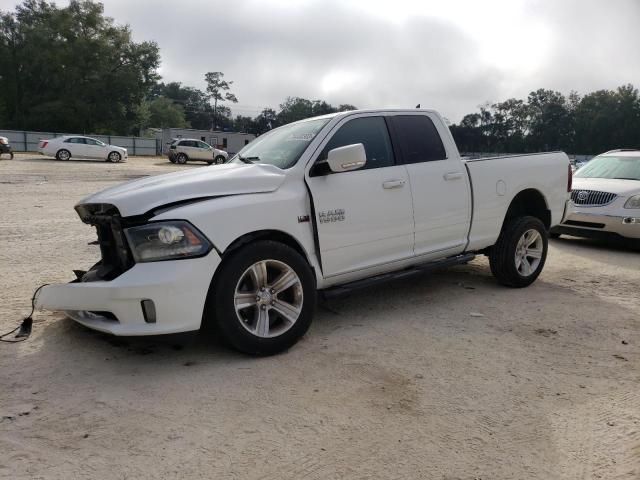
(347, 158)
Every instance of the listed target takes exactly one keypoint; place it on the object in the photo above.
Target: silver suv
(183, 150)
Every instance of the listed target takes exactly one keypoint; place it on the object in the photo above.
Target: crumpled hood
(622, 188)
(140, 196)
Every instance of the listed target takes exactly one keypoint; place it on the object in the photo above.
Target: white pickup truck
(326, 204)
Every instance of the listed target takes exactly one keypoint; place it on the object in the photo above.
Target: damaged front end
(116, 257)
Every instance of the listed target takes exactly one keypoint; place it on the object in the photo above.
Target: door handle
(393, 184)
(453, 176)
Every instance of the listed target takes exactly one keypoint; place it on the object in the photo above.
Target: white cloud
(451, 55)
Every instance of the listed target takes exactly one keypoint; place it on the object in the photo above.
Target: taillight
(43, 143)
(570, 179)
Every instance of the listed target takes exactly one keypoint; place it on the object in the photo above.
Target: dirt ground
(449, 376)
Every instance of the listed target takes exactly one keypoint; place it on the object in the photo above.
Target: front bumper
(177, 288)
(583, 224)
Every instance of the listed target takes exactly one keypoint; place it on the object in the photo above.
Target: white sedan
(68, 147)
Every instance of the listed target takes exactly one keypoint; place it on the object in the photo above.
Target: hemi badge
(303, 218)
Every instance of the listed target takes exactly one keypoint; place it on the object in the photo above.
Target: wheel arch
(245, 239)
(528, 202)
(274, 235)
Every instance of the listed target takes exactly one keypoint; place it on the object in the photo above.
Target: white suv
(182, 150)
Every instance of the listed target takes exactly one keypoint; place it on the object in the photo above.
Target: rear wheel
(264, 298)
(181, 158)
(519, 255)
(63, 154)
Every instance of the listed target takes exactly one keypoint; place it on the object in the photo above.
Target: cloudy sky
(452, 55)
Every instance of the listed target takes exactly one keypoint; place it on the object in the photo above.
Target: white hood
(622, 188)
(140, 196)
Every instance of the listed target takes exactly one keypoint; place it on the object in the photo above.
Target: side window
(90, 141)
(419, 140)
(74, 140)
(202, 145)
(370, 132)
(186, 143)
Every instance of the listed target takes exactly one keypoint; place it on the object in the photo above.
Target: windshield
(281, 147)
(626, 168)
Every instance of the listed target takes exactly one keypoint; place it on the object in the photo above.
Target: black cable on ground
(24, 329)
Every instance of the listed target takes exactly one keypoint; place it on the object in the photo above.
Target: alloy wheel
(268, 298)
(529, 251)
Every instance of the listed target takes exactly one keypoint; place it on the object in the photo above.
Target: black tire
(114, 157)
(502, 257)
(63, 154)
(221, 305)
(181, 158)
(10, 155)
(219, 160)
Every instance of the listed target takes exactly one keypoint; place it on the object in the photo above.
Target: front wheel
(518, 256)
(264, 298)
(219, 160)
(114, 157)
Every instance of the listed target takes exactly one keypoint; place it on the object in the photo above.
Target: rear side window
(187, 143)
(418, 138)
(75, 140)
(370, 132)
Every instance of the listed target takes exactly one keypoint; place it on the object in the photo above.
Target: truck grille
(592, 198)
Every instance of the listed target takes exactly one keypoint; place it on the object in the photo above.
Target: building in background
(231, 142)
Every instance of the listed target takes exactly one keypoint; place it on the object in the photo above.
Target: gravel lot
(449, 376)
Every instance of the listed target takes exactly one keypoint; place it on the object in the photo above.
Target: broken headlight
(171, 240)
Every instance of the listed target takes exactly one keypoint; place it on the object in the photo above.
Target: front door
(95, 149)
(205, 152)
(364, 217)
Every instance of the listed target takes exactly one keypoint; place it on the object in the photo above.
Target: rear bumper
(177, 288)
(594, 225)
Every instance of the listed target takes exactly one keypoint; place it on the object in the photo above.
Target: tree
(166, 114)
(72, 69)
(218, 90)
(599, 121)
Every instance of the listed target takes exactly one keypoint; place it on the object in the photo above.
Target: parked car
(605, 198)
(183, 150)
(331, 203)
(5, 147)
(74, 146)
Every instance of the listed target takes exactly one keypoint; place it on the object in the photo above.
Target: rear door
(188, 147)
(439, 184)
(77, 147)
(364, 217)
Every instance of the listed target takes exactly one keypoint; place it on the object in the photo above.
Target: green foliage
(72, 69)
(163, 113)
(548, 120)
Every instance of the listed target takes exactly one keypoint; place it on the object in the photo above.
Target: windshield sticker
(296, 137)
